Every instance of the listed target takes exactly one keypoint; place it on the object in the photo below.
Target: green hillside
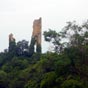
(64, 67)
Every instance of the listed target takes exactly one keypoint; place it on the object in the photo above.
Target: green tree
(12, 47)
(49, 80)
(71, 83)
(31, 47)
(54, 37)
(3, 79)
(22, 48)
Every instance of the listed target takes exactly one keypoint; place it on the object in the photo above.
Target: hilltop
(64, 67)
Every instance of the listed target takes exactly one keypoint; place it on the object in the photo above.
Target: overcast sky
(16, 16)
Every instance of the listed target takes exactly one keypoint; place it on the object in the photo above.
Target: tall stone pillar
(36, 37)
(12, 43)
(37, 30)
(37, 27)
(11, 38)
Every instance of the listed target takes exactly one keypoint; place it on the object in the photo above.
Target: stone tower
(36, 35)
(37, 31)
(11, 38)
(12, 43)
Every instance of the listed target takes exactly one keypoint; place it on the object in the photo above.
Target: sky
(17, 16)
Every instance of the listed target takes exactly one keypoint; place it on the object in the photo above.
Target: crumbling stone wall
(37, 31)
(36, 35)
(11, 38)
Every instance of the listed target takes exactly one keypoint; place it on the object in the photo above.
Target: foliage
(67, 67)
(31, 47)
(22, 48)
(71, 83)
(38, 49)
(48, 80)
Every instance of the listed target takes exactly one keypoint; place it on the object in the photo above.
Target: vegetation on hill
(66, 67)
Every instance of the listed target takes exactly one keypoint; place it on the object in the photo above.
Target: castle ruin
(35, 39)
(36, 34)
(37, 31)
(11, 38)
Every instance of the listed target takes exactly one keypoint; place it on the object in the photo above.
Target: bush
(71, 83)
(49, 80)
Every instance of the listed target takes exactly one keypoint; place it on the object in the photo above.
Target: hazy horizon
(17, 16)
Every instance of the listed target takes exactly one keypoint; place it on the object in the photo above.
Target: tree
(38, 48)
(54, 37)
(71, 35)
(22, 48)
(12, 48)
(49, 80)
(77, 36)
(71, 83)
(3, 79)
(31, 47)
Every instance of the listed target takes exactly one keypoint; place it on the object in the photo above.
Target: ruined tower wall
(11, 38)
(37, 30)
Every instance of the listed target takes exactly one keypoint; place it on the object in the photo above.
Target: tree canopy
(66, 67)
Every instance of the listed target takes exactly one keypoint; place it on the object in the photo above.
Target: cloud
(17, 16)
